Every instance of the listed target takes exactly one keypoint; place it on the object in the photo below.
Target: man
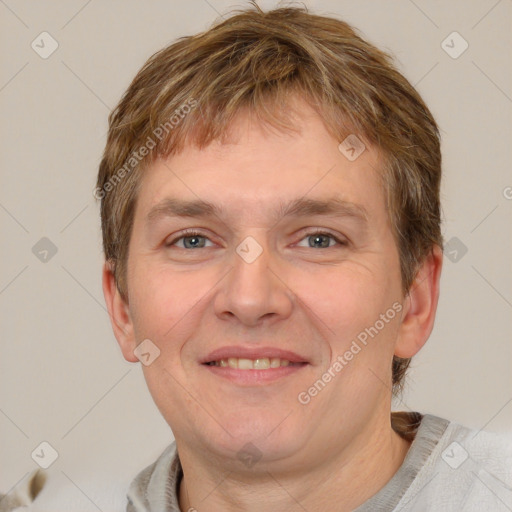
(271, 225)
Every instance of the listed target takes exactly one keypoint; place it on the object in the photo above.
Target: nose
(255, 291)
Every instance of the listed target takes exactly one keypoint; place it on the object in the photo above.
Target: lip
(253, 377)
(253, 353)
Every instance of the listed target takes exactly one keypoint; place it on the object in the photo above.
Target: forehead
(262, 170)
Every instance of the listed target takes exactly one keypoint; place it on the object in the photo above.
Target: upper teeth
(252, 364)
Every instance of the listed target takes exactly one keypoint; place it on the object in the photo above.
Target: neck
(343, 483)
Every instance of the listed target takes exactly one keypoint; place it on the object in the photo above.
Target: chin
(265, 437)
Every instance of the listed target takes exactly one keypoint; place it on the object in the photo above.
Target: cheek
(352, 308)
(344, 300)
(163, 299)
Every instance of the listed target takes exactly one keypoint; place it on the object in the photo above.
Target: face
(275, 301)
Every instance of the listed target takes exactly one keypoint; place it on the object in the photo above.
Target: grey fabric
(156, 487)
(447, 468)
(427, 437)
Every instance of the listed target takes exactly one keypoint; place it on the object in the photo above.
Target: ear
(119, 313)
(420, 306)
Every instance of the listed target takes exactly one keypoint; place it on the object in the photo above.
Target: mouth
(263, 363)
(253, 367)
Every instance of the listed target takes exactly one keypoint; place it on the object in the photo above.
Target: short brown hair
(255, 61)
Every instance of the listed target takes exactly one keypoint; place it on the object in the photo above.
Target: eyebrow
(301, 207)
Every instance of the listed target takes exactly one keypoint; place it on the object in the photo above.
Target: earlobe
(420, 306)
(119, 313)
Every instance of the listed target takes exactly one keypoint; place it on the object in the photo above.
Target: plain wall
(62, 376)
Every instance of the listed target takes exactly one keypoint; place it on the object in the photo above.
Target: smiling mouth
(264, 363)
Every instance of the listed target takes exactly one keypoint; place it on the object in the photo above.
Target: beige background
(63, 379)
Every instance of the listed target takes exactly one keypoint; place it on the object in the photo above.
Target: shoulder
(152, 487)
(477, 452)
(467, 469)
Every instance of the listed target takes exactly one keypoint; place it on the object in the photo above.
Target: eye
(321, 240)
(191, 240)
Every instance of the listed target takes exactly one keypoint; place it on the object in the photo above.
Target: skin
(337, 450)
